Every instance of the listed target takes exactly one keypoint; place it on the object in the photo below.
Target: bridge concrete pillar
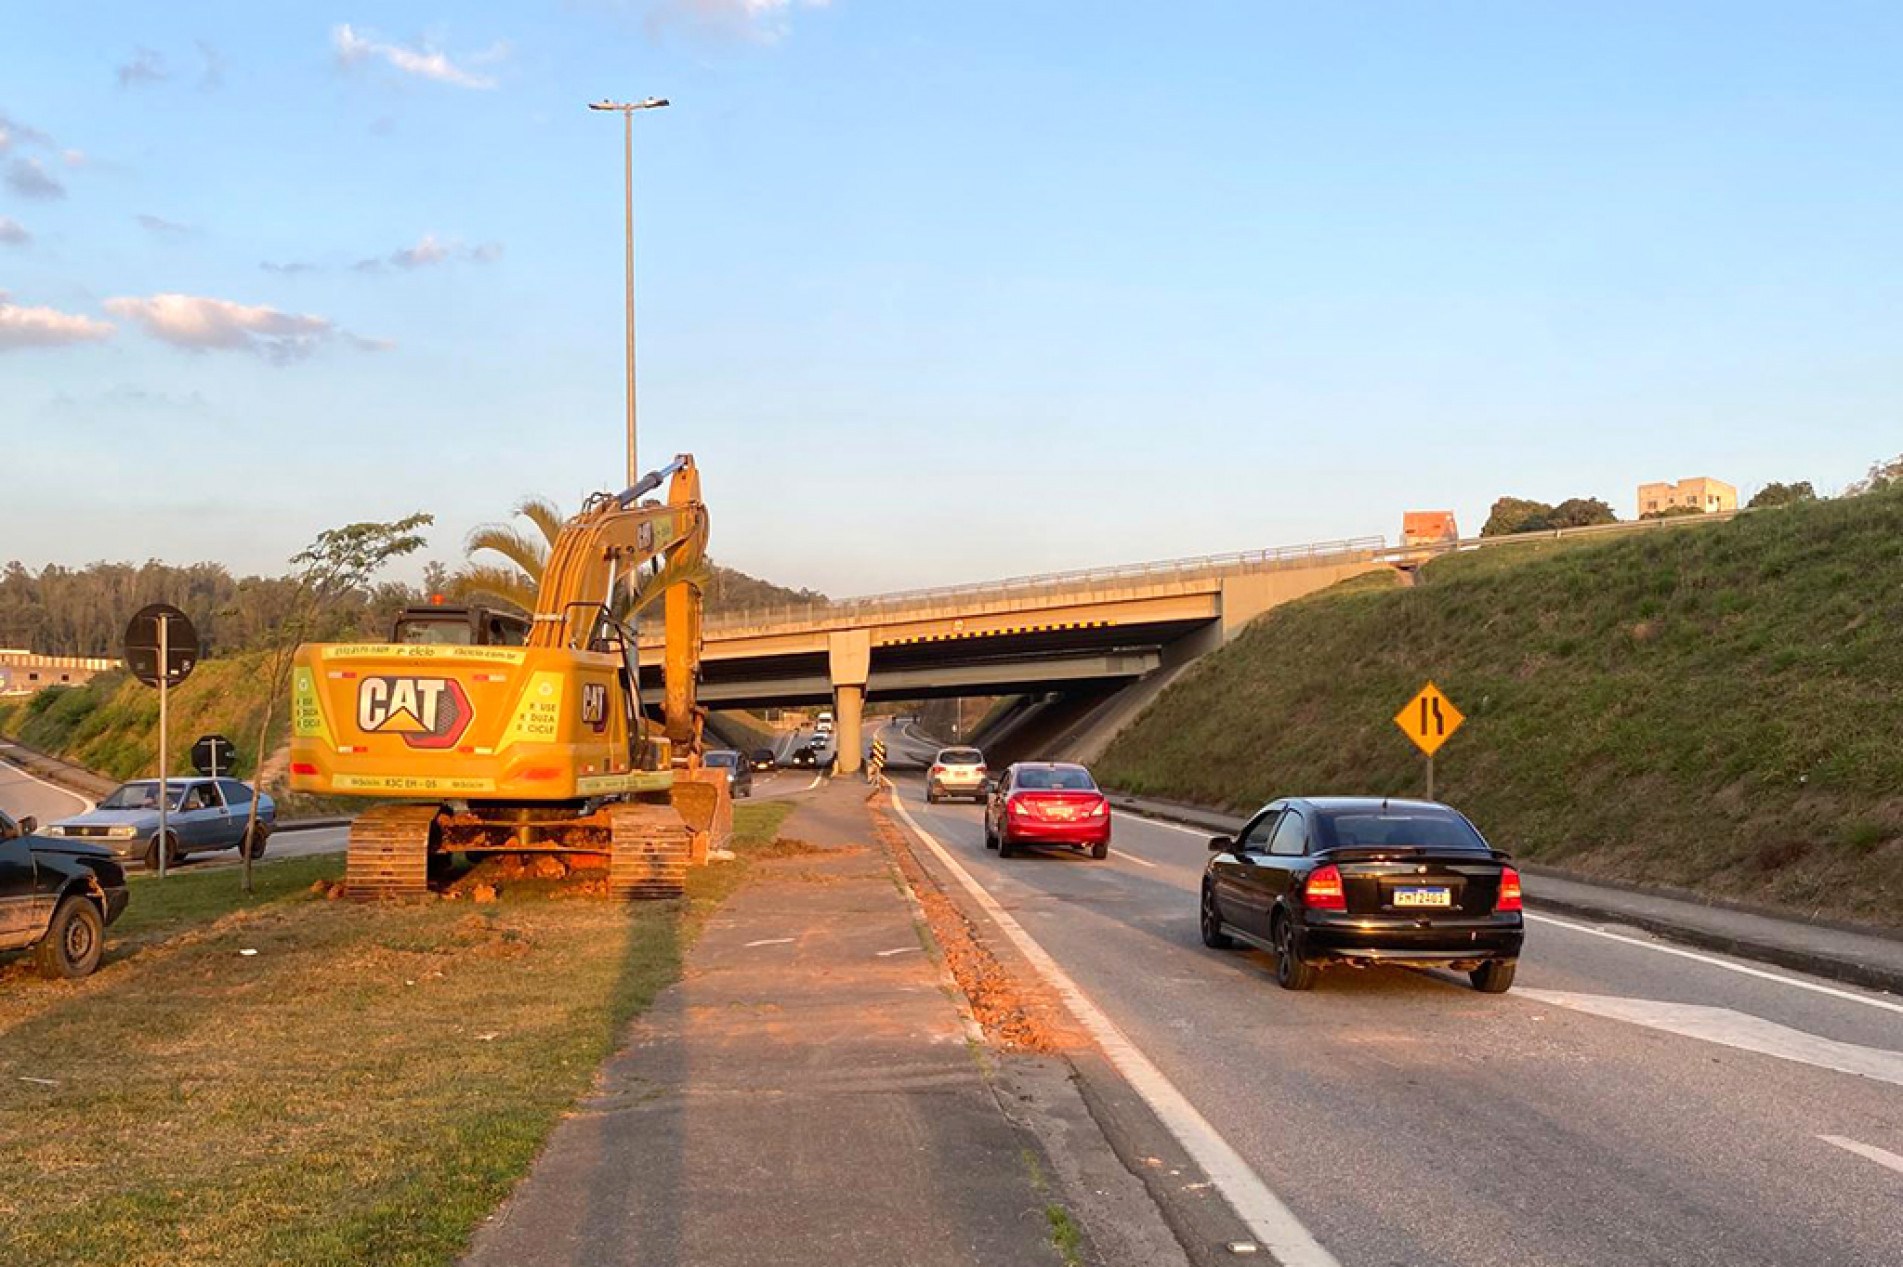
(849, 658)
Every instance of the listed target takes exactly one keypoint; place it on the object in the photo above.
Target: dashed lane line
(1881, 1156)
(1268, 1218)
(1815, 987)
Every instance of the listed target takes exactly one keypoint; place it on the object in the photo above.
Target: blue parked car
(202, 814)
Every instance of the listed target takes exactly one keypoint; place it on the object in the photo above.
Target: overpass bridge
(1106, 628)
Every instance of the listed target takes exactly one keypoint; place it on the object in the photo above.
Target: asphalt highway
(1627, 1102)
(22, 794)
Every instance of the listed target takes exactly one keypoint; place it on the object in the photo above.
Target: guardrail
(1167, 570)
(1373, 549)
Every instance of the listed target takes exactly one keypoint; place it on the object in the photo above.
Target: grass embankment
(1715, 707)
(363, 1089)
(111, 723)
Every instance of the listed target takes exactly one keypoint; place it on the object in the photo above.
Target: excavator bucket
(704, 799)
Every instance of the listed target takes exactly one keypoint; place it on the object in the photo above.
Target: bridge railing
(1050, 583)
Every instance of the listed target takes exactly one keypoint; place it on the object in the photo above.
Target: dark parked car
(1365, 880)
(201, 814)
(57, 896)
(1047, 803)
(761, 759)
(739, 773)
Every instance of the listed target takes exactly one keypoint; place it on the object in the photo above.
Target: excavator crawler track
(652, 847)
(389, 852)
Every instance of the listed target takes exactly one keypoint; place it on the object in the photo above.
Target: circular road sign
(142, 645)
(213, 755)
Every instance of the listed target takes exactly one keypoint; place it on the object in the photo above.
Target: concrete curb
(1696, 923)
(310, 824)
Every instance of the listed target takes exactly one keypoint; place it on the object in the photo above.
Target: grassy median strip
(365, 1087)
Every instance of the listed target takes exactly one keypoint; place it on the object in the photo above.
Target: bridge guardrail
(1271, 559)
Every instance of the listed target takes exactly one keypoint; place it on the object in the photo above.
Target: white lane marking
(1881, 1156)
(769, 941)
(1271, 1222)
(1157, 822)
(1730, 1028)
(1867, 1000)
(902, 950)
(86, 806)
(817, 780)
(1130, 857)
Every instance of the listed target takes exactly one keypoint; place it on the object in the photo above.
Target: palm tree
(516, 580)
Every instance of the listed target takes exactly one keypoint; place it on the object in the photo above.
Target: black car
(761, 759)
(1316, 880)
(57, 895)
(806, 756)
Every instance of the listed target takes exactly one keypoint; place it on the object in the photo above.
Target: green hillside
(1716, 706)
(111, 723)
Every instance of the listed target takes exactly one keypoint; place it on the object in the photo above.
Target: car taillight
(937, 770)
(1509, 899)
(1017, 805)
(303, 767)
(1098, 810)
(1322, 890)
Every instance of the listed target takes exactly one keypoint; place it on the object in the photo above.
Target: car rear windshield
(1375, 830)
(961, 756)
(1059, 780)
(722, 758)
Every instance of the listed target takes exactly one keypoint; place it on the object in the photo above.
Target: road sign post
(1429, 720)
(213, 755)
(161, 649)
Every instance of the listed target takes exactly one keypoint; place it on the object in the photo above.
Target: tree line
(1522, 514)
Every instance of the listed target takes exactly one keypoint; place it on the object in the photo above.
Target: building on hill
(1428, 527)
(1701, 494)
(23, 672)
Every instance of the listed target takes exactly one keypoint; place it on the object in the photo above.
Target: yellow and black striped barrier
(876, 765)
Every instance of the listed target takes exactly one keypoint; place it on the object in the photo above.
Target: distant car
(956, 772)
(202, 814)
(761, 759)
(805, 757)
(1365, 880)
(57, 896)
(739, 773)
(1047, 803)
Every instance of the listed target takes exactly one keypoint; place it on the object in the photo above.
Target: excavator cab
(443, 625)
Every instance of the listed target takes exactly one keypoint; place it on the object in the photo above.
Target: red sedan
(1047, 803)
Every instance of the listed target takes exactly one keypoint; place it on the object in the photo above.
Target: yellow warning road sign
(1429, 719)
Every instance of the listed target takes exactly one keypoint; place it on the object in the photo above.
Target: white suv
(956, 772)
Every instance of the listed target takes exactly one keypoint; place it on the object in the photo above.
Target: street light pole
(627, 110)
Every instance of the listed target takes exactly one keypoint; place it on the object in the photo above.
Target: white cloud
(763, 20)
(30, 180)
(12, 130)
(146, 67)
(200, 324)
(163, 227)
(424, 62)
(13, 233)
(45, 327)
(430, 250)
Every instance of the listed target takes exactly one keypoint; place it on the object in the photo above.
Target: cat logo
(429, 712)
(594, 705)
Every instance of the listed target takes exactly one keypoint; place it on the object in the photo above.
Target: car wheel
(1292, 972)
(931, 796)
(1005, 848)
(1100, 850)
(1213, 936)
(1494, 976)
(991, 841)
(172, 855)
(252, 846)
(74, 941)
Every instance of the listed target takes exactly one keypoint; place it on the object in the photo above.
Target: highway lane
(22, 794)
(1407, 1119)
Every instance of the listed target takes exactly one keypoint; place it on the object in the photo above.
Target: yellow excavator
(488, 733)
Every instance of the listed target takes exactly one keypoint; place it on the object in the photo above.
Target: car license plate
(1436, 896)
(1062, 811)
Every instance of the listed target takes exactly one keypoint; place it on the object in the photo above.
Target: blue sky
(936, 292)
